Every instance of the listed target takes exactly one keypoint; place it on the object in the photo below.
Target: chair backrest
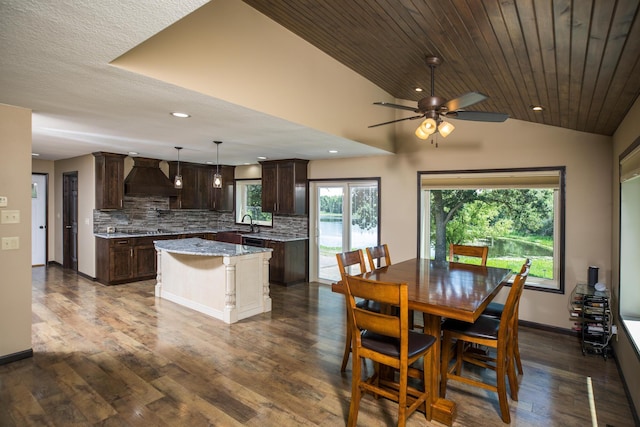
(472, 251)
(380, 254)
(348, 259)
(394, 324)
(508, 320)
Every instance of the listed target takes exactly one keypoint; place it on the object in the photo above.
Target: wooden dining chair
(378, 256)
(354, 261)
(385, 339)
(470, 251)
(495, 309)
(490, 332)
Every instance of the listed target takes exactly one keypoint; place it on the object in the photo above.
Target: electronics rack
(591, 312)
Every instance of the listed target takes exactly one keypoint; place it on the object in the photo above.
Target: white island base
(226, 287)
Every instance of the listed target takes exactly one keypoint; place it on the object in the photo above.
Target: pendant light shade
(426, 128)
(217, 178)
(177, 180)
(445, 128)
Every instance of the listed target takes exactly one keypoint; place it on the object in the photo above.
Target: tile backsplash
(153, 213)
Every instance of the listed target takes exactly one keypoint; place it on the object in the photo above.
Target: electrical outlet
(4, 201)
(9, 217)
(10, 243)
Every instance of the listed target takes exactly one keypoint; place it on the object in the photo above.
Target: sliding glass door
(344, 216)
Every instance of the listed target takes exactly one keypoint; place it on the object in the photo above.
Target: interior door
(70, 220)
(345, 217)
(38, 219)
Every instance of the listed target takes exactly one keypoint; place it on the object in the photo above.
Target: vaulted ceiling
(579, 59)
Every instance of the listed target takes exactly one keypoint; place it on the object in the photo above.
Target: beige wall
(85, 166)
(628, 359)
(15, 265)
(48, 167)
(510, 144)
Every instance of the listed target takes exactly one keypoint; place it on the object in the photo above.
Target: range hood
(147, 179)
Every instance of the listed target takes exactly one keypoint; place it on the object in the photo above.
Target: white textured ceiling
(54, 59)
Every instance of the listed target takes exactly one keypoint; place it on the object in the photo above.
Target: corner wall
(628, 359)
(15, 184)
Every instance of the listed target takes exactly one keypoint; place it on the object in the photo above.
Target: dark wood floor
(117, 356)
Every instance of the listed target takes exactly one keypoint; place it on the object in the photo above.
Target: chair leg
(356, 393)
(347, 348)
(502, 385)
(444, 363)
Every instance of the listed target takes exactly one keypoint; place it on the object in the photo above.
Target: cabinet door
(222, 198)
(269, 187)
(286, 188)
(144, 260)
(120, 262)
(109, 180)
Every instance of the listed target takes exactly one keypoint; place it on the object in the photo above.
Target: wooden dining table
(442, 289)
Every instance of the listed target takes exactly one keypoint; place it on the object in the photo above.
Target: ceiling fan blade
(464, 101)
(479, 116)
(399, 120)
(401, 107)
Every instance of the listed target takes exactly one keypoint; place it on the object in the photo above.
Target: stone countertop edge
(197, 246)
(262, 236)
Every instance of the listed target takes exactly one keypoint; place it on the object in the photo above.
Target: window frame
(559, 215)
(240, 193)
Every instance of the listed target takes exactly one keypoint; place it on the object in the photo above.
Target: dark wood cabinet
(109, 180)
(198, 192)
(288, 264)
(284, 186)
(132, 258)
(222, 198)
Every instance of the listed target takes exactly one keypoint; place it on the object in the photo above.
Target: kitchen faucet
(253, 230)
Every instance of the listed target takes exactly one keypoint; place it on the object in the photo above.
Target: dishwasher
(252, 241)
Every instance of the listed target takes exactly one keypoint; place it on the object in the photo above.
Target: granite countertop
(197, 246)
(262, 236)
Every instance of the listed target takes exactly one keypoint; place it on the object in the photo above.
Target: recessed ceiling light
(537, 107)
(333, 151)
(133, 153)
(262, 158)
(180, 115)
(34, 154)
(418, 89)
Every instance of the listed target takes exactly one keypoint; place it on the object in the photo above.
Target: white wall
(85, 166)
(15, 265)
(499, 145)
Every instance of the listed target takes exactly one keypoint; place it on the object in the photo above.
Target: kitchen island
(227, 281)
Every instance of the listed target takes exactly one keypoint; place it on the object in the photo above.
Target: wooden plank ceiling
(577, 58)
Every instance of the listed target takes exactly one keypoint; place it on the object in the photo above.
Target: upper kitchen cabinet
(195, 189)
(222, 198)
(284, 186)
(109, 180)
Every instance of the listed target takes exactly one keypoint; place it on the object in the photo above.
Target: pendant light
(177, 181)
(217, 178)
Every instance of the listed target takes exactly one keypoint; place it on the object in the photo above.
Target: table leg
(442, 410)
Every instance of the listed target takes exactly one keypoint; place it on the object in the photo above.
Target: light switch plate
(4, 201)
(9, 216)
(9, 243)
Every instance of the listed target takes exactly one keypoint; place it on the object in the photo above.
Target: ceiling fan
(435, 109)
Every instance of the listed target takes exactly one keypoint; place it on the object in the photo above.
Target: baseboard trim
(548, 328)
(79, 273)
(9, 358)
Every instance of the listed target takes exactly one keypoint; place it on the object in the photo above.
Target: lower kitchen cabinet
(288, 264)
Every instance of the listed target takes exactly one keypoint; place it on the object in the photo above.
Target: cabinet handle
(121, 203)
(131, 252)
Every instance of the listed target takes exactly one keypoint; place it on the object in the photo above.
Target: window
(629, 238)
(518, 213)
(249, 202)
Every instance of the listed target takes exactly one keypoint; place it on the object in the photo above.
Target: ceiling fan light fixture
(426, 128)
(445, 128)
